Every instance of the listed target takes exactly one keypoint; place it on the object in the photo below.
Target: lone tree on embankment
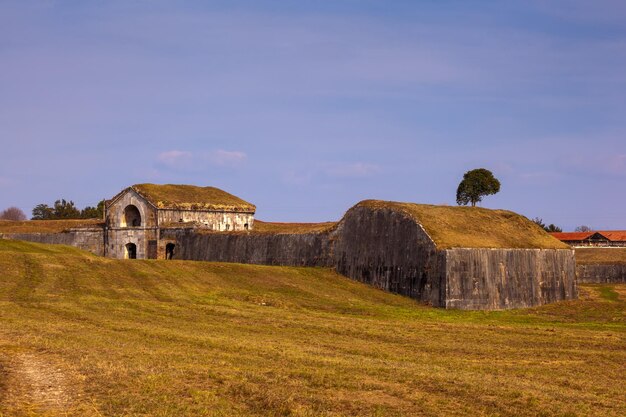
(476, 184)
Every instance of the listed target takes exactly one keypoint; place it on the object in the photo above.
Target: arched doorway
(132, 217)
(130, 251)
(169, 250)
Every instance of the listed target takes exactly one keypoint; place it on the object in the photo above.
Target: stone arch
(131, 216)
(130, 251)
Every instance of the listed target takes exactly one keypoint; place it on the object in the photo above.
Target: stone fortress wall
(221, 221)
(89, 239)
(382, 248)
(601, 273)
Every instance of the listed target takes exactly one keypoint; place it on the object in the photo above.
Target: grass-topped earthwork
(292, 228)
(87, 336)
(613, 256)
(473, 227)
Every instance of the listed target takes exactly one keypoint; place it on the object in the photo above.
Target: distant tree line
(553, 228)
(548, 228)
(63, 209)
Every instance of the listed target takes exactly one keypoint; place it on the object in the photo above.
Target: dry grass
(473, 227)
(291, 228)
(46, 226)
(181, 338)
(601, 256)
(191, 197)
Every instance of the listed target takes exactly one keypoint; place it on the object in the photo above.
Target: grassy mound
(87, 336)
(473, 227)
(614, 256)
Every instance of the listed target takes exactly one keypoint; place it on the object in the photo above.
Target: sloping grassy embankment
(87, 336)
(603, 256)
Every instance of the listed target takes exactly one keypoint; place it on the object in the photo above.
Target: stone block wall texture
(392, 252)
(493, 279)
(386, 249)
(118, 235)
(116, 240)
(87, 239)
(213, 220)
(115, 212)
(601, 273)
(267, 249)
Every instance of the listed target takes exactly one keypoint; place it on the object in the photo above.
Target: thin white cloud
(187, 161)
(603, 165)
(294, 177)
(5, 182)
(598, 11)
(355, 170)
(175, 159)
(227, 158)
(539, 177)
(616, 165)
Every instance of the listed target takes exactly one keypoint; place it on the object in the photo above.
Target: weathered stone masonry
(388, 250)
(485, 279)
(89, 239)
(135, 219)
(312, 249)
(381, 246)
(601, 273)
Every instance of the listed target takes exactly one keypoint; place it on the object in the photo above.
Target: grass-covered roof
(191, 197)
(473, 227)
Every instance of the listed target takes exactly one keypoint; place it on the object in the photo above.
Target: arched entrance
(169, 250)
(130, 251)
(132, 217)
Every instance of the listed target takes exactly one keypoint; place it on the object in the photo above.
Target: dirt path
(36, 383)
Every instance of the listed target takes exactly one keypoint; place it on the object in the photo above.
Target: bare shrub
(13, 213)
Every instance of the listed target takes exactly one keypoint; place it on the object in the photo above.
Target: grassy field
(88, 336)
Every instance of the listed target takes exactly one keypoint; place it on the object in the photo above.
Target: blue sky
(306, 107)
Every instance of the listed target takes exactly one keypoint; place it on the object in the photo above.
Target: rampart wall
(89, 239)
(493, 279)
(311, 249)
(384, 248)
(214, 220)
(601, 273)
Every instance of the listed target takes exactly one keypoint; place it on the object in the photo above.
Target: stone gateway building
(135, 217)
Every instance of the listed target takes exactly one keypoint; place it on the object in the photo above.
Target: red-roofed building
(615, 236)
(593, 238)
